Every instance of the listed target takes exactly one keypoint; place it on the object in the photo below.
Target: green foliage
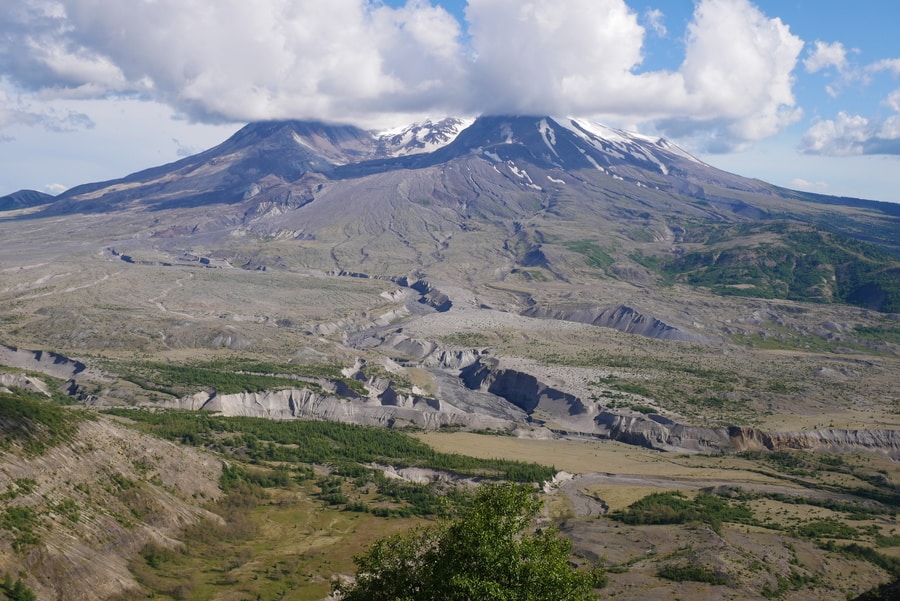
(691, 573)
(889, 564)
(887, 541)
(792, 261)
(792, 582)
(177, 380)
(826, 528)
(156, 555)
(69, 509)
(326, 371)
(21, 521)
(885, 333)
(314, 442)
(886, 592)
(16, 590)
(593, 254)
(33, 422)
(487, 551)
(21, 486)
(676, 508)
(230, 376)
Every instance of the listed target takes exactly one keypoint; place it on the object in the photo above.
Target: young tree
(487, 552)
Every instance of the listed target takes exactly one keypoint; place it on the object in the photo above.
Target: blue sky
(801, 93)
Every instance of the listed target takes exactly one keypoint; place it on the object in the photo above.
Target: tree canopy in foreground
(488, 551)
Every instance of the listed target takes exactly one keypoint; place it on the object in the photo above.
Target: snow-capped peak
(622, 143)
(420, 138)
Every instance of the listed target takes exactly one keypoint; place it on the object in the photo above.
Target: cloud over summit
(364, 61)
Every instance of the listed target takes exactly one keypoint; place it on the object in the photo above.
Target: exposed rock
(883, 441)
(621, 318)
(46, 362)
(22, 381)
(521, 389)
(391, 410)
(663, 435)
(431, 296)
(447, 359)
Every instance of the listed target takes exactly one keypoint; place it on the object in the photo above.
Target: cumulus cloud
(853, 135)
(842, 136)
(824, 55)
(856, 135)
(359, 60)
(893, 100)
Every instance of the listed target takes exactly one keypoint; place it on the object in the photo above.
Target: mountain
(567, 285)
(532, 185)
(24, 199)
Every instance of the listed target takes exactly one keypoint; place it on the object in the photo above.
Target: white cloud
(888, 64)
(845, 135)
(824, 55)
(361, 61)
(853, 135)
(893, 100)
(15, 110)
(890, 129)
(549, 60)
(739, 67)
(802, 184)
(236, 60)
(856, 135)
(656, 21)
(734, 86)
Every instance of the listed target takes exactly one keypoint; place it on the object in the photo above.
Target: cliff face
(580, 418)
(387, 409)
(750, 439)
(621, 318)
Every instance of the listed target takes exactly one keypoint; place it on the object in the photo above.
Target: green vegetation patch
(594, 255)
(676, 508)
(177, 380)
(318, 443)
(22, 522)
(230, 376)
(34, 423)
(16, 590)
(791, 261)
(691, 573)
(885, 333)
(489, 550)
(826, 528)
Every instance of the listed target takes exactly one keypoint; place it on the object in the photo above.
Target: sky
(800, 93)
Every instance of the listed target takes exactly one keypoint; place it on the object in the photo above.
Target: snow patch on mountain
(522, 174)
(549, 136)
(621, 144)
(421, 138)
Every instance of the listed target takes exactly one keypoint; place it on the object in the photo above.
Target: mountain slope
(459, 198)
(24, 199)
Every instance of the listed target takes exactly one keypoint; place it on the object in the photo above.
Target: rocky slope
(96, 502)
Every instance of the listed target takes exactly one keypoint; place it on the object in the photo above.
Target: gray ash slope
(531, 187)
